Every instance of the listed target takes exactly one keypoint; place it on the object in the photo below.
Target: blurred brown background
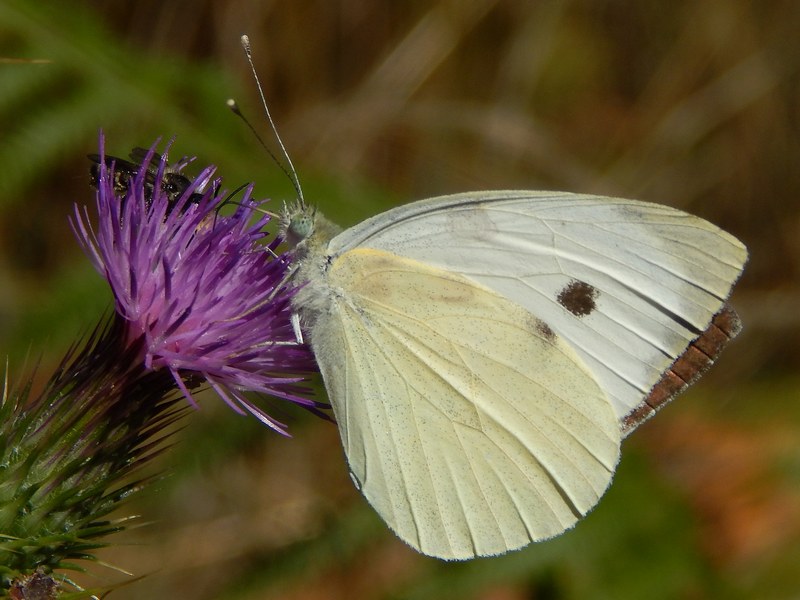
(691, 104)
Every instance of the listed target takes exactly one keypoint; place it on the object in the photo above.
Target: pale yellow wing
(467, 423)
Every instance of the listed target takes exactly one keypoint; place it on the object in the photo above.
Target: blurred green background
(691, 104)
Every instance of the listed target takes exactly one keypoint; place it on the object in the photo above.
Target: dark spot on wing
(578, 298)
(543, 329)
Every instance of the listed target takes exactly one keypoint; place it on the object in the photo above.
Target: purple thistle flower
(201, 293)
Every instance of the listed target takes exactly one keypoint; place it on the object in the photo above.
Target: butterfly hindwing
(468, 423)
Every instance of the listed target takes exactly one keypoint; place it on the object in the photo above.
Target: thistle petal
(204, 292)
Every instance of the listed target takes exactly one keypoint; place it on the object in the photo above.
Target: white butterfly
(485, 353)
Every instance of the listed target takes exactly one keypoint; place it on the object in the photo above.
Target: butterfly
(486, 353)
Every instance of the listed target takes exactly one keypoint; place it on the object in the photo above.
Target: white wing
(469, 425)
(633, 287)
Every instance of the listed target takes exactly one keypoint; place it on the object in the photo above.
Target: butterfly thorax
(308, 233)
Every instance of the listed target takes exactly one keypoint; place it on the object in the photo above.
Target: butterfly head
(297, 223)
(305, 229)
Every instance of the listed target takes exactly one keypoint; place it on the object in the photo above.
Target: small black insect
(172, 183)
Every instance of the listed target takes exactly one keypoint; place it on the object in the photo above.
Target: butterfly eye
(300, 228)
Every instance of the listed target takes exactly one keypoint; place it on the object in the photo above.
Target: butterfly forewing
(629, 285)
(468, 423)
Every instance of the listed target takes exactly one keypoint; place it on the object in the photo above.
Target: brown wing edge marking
(688, 367)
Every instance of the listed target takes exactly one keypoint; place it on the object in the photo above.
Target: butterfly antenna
(237, 111)
(291, 173)
(228, 200)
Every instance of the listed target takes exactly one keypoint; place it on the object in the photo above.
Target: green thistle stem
(68, 455)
